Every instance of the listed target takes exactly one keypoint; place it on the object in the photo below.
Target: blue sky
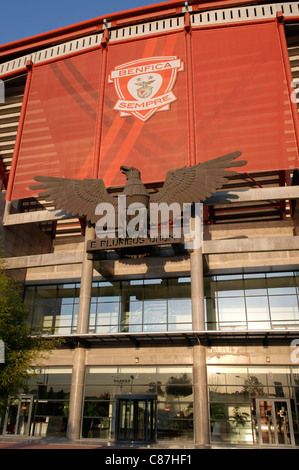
(24, 18)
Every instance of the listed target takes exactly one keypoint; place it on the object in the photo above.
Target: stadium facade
(186, 347)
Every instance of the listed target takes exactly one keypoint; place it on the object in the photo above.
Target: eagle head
(130, 172)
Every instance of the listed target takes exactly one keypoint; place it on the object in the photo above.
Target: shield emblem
(145, 86)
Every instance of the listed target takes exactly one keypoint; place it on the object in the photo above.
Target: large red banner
(59, 129)
(241, 97)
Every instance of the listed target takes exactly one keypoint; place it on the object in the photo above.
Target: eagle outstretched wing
(192, 184)
(78, 198)
(198, 182)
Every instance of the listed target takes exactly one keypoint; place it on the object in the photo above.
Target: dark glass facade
(254, 405)
(172, 387)
(261, 301)
(43, 408)
(116, 307)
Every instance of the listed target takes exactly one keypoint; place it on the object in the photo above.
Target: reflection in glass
(179, 310)
(252, 301)
(107, 387)
(232, 310)
(127, 306)
(281, 284)
(143, 305)
(233, 288)
(255, 286)
(261, 408)
(257, 311)
(51, 390)
(284, 307)
(53, 307)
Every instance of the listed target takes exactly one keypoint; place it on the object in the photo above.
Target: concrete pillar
(197, 290)
(86, 284)
(78, 376)
(201, 414)
(76, 396)
(201, 404)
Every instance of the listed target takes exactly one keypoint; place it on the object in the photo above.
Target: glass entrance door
(136, 418)
(274, 421)
(18, 416)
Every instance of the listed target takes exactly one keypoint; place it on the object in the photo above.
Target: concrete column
(78, 376)
(201, 414)
(197, 290)
(201, 404)
(86, 284)
(76, 396)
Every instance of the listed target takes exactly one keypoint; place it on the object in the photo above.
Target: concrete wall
(176, 355)
(22, 240)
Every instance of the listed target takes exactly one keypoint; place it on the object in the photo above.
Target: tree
(179, 386)
(23, 348)
(253, 386)
(239, 417)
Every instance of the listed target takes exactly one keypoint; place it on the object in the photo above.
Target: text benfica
(146, 68)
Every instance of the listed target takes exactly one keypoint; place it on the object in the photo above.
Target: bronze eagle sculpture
(79, 198)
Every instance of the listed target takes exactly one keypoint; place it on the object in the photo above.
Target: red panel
(241, 97)
(59, 127)
(146, 80)
(241, 102)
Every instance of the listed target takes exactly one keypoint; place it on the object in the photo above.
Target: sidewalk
(11, 442)
(43, 443)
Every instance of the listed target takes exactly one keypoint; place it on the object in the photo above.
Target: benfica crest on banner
(145, 86)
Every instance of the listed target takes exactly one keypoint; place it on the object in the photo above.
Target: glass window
(95, 292)
(179, 326)
(232, 309)
(281, 284)
(230, 288)
(29, 296)
(210, 286)
(255, 286)
(179, 288)
(68, 292)
(126, 306)
(257, 312)
(284, 307)
(107, 317)
(155, 311)
(154, 327)
(131, 291)
(131, 316)
(155, 289)
(94, 408)
(179, 311)
(232, 407)
(51, 387)
(97, 375)
(226, 375)
(230, 277)
(167, 373)
(211, 313)
(171, 384)
(109, 291)
(54, 308)
(252, 301)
